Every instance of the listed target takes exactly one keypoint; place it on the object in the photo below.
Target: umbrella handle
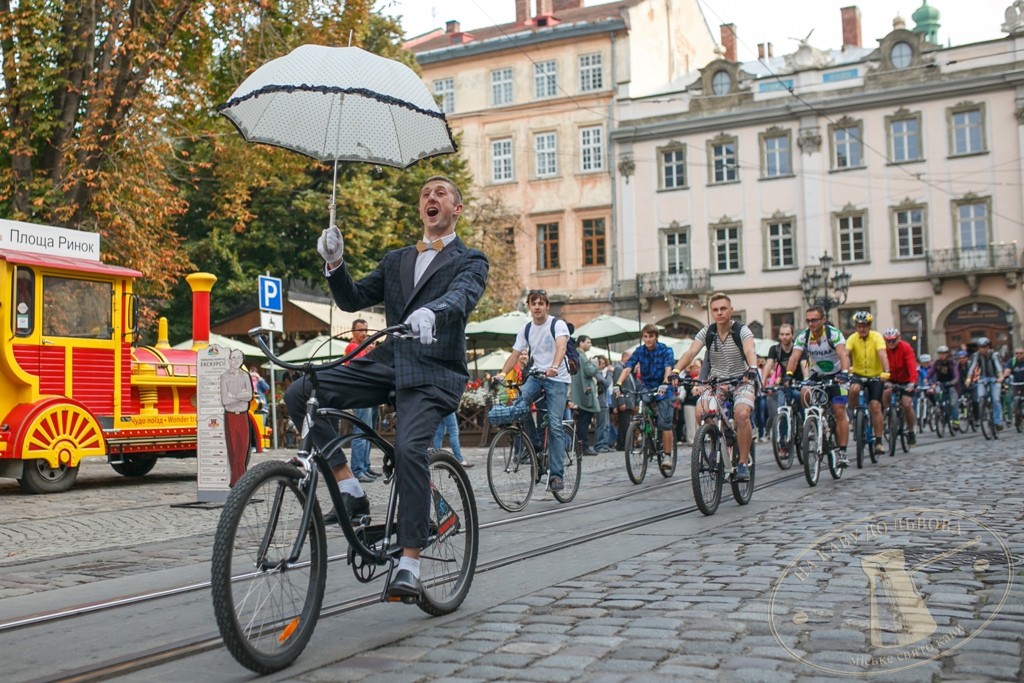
(334, 192)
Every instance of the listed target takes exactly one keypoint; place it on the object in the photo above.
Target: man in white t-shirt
(547, 354)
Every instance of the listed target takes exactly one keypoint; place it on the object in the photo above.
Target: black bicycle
(1016, 404)
(716, 454)
(644, 441)
(270, 549)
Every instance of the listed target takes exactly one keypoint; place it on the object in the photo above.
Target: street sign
(271, 294)
(274, 322)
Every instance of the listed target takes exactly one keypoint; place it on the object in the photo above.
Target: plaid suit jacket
(450, 287)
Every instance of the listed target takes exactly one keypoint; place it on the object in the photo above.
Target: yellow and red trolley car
(73, 384)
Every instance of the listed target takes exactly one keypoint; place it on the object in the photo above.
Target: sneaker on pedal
(879, 447)
(742, 473)
(956, 425)
(842, 460)
(555, 483)
(912, 438)
(666, 463)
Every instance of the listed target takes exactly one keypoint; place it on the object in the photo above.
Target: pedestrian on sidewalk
(450, 424)
(584, 394)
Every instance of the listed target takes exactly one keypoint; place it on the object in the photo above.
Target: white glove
(421, 322)
(662, 390)
(616, 390)
(331, 244)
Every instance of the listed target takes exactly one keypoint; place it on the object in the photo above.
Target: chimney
(202, 285)
(452, 26)
(543, 8)
(560, 5)
(728, 32)
(851, 26)
(522, 11)
(760, 50)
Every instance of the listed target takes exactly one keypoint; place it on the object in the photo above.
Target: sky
(757, 21)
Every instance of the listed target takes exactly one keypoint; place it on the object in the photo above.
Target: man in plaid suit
(432, 287)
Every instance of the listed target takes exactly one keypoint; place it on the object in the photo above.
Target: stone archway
(966, 322)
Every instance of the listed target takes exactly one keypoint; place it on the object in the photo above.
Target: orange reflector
(288, 630)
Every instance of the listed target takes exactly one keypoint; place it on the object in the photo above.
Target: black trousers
(364, 383)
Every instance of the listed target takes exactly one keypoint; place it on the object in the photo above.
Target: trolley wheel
(38, 477)
(134, 466)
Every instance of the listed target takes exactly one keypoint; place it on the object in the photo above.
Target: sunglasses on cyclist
(810, 321)
(542, 292)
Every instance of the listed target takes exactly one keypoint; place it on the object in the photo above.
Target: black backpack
(572, 356)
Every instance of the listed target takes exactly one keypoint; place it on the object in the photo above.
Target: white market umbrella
(612, 328)
(500, 330)
(221, 340)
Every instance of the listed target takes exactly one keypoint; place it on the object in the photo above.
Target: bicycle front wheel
(988, 427)
(707, 468)
(1018, 414)
(743, 490)
(572, 471)
(511, 469)
(636, 452)
(266, 602)
(448, 563)
(782, 439)
(667, 461)
(812, 451)
(861, 433)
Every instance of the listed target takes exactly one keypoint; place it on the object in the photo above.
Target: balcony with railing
(972, 263)
(696, 281)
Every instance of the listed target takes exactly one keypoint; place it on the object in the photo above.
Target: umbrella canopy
(612, 328)
(221, 340)
(340, 103)
(497, 331)
(763, 346)
(318, 348)
(491, 362)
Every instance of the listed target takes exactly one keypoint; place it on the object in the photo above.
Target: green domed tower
(926, 21)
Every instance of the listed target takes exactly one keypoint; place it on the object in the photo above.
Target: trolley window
(24, 302)
(77, 308)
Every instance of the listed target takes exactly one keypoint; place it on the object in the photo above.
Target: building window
(591, 72)
(909, 227)
(591, 149)
(852, 238)
(727, 249)
(545, 79)
(593, 242)
(677, 252)
(725, 164)
(901, 55)
(781, 244)
(547, 246)
(501, 87)
(967, 131)
(673, 168)
(847, 145)
(904, 138)
(775, 154)
(444, 92)
(721, 82)
(545, 151)
(501, 160)
(972, 219)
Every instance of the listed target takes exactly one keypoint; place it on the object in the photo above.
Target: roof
(562, 20)
(23, 258)
(341, 321)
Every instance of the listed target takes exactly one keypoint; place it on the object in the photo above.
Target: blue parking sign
(271, 294)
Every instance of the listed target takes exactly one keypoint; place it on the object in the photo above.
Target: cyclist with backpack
(825, 347)
(869, 363)
(655, 359)
(545, 337)
(730, 353)
(946, 370)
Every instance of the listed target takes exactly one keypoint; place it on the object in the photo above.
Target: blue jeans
(556, 394)
(449, 422)
(361, 447)
(997, 405)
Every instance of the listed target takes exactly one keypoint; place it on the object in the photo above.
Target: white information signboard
(212, 450)
(46, 239)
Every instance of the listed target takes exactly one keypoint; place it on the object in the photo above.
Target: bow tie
(436, 245)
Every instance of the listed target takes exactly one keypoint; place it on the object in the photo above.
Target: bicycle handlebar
(259, 336)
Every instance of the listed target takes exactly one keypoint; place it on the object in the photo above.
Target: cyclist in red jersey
(902, 373)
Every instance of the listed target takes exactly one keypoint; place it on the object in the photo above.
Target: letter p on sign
(271, 294)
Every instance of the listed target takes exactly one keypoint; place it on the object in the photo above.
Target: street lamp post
(816, 285)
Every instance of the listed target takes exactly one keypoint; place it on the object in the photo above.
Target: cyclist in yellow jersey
(869, 365)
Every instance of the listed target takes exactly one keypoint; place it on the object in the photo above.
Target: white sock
(352, 487)
(410, 563)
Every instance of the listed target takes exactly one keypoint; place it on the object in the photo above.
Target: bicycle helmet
(862, 317)
(961, 354)
(890, 333)
(984, 341)
(925, 358)
(942, 349)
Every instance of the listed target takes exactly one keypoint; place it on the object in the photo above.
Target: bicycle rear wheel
(706, 468)
(573, 471)
(511, 469)
(941, 418)
(636, 452)
(782, 439)
(448, 562)
(812, 451)
(267, 606)
(667, 461)
(743, 490)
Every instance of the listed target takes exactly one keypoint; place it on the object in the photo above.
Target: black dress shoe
(405, 586)
(355, 507)
(373, 472)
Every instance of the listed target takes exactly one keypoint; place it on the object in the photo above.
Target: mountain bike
(819, 432)
(716, 453)
(862, 430)
(644, 442)
(786, 441)
(269, 564)
(895, 421)
(924, 410)
(986, 416)
(515, 466)
(1016, 412)
(943, 415)
(968, 412)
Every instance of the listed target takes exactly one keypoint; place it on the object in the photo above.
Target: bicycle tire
(941, 421)
(988, 425)
(872, 451)
(894, 418)
(511, 469)
(782, 447)
(448, 562)
(667, 461)
(573, 472)
(742, 491)
(833, 461)
(707, 468)
(861, 434)
(812, 451)
(266, 616)
(1018, 414)
(636, 451)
